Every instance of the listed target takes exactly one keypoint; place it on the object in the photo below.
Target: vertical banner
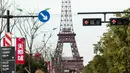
(53, 69)
(20, 50)
(48, 66)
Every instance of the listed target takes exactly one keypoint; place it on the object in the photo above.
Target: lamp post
(45, 41)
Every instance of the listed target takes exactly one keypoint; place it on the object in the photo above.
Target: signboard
(8, 60)
(8, 53)
(8, 66)
(20, 52)
(44, 16)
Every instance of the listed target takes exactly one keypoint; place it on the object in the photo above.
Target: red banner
(48, 66)
(20, 50)
(53, 69)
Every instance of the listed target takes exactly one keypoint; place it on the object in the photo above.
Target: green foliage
(87, 69)
(97, 65)
(36, 63)
(112, 51)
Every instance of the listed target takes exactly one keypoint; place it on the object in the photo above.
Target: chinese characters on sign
(20, 46)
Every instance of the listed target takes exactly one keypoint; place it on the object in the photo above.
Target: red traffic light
(91, 21)
(113, 21)
(119, 21)
(86, 22)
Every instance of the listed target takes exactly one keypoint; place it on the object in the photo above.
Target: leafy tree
(97, 65)
(112, 50)
(88, 68)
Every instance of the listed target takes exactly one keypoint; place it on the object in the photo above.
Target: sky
(86, 36)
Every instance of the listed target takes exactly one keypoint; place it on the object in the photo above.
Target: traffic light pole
(8, 17)
(125, 21)
(104, 13)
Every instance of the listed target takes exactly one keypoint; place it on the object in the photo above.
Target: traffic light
(91, 21)
(119, 21)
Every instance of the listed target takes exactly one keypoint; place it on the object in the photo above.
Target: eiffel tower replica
(67, 35)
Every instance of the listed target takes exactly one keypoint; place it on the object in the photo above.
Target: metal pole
(101, 12)
(0, 54)
(8, 21)
(105, 17)
(104, 13)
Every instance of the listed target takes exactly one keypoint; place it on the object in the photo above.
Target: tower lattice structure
(67, 35)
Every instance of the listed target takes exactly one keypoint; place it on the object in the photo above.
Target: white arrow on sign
(44, 17)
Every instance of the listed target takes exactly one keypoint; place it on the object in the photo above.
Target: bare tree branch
(4, 5)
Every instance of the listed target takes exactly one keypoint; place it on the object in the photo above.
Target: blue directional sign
(44, 16)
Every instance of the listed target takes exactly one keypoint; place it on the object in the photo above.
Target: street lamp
(44, 36)
(50, 35)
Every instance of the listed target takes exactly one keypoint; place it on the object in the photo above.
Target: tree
(97, 65)
(36, 63)
(28, 28)
(4, 6)
(46, 49)
(88, 68)
(112, 50)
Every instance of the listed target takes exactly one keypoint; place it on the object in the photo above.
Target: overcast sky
(85, 36)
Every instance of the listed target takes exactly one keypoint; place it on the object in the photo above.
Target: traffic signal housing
(92, 22)
(119, 21)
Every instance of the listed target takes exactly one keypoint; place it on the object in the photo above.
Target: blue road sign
(44, 16)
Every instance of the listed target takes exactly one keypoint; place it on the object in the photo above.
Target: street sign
(8, 60)
(8, 66)
(44, 16)
(7, 40)
(8, 53)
